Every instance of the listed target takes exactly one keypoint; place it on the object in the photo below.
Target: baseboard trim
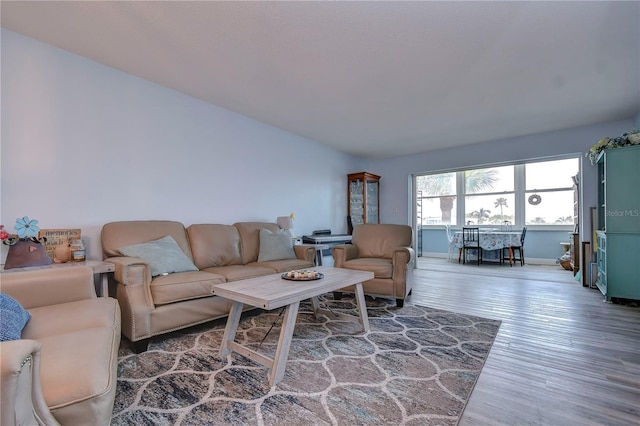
(529, 260)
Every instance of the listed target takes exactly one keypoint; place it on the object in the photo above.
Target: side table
(319, 248)
(99, 267)
(325, 242)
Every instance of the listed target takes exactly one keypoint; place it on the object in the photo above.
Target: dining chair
(450, 236)
(519, 248)
(470, 241)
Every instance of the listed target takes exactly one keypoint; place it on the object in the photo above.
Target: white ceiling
(375, 79)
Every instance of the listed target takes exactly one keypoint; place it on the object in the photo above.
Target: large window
(534, 193)
(549, 193)
(489, 195)
(436, 196)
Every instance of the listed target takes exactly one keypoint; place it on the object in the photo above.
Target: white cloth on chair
(452, 248)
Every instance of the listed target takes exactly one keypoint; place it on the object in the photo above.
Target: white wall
(396, 172)
(83, 144)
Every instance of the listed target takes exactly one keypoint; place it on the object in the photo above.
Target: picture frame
(58, 238)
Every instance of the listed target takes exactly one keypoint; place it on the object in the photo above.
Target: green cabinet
(618, 235)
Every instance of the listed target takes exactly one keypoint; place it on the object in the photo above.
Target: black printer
(324, 236)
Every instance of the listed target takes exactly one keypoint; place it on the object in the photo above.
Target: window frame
(520, 193)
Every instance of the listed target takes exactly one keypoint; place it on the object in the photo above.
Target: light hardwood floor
(562, 356)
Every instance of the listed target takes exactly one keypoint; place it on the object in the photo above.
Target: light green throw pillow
(164, 256)
(275, 245)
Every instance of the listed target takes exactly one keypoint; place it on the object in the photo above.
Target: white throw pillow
(275, 246)
(164, 256)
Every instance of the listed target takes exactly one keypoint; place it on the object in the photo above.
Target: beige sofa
(385, 250)
(63, 370)
(153, 305)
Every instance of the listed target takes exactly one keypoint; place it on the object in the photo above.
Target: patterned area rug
(416, 366)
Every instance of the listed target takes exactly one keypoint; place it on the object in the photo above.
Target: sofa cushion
(381, 268)
(275, 245)
(183, 286)
(164, 256)
(240, 272)
(374, 240)
(285, 265)
(68, 317)
(79, 348)
(250, 238)
(214, 245)
(125, 233)
(13, 318)
(78, 374)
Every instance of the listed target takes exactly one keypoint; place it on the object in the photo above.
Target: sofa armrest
(305, 252)
(403, 255)
(22, 402)
(49, 286)
(130, 270)
(133, 276)
(403, 260)
(343, 252)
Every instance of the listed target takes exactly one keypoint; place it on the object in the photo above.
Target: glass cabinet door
(356, 200)
(371, 215)
(364, 198)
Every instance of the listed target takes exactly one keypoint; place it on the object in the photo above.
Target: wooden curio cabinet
(364, 199)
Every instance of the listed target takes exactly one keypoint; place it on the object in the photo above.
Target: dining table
(492, 240)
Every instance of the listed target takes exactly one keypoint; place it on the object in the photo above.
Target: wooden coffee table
(272, 292)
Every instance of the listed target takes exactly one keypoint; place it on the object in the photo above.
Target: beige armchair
(386, 251)
(63, 369)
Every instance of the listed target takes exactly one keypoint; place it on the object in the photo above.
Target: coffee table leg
(316, 306)
(230, 330)
(284, 342)
(362, 307)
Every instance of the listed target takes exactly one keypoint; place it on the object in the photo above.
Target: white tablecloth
(491, 240)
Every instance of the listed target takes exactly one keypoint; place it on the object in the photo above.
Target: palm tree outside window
(498, 195)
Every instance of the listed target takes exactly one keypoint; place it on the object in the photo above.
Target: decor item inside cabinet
(618, 234)
(364, 199)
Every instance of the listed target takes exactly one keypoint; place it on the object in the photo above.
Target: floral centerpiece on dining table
(626, 139)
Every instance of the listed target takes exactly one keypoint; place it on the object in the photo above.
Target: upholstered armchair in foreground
(386, 251)
(60, 349)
